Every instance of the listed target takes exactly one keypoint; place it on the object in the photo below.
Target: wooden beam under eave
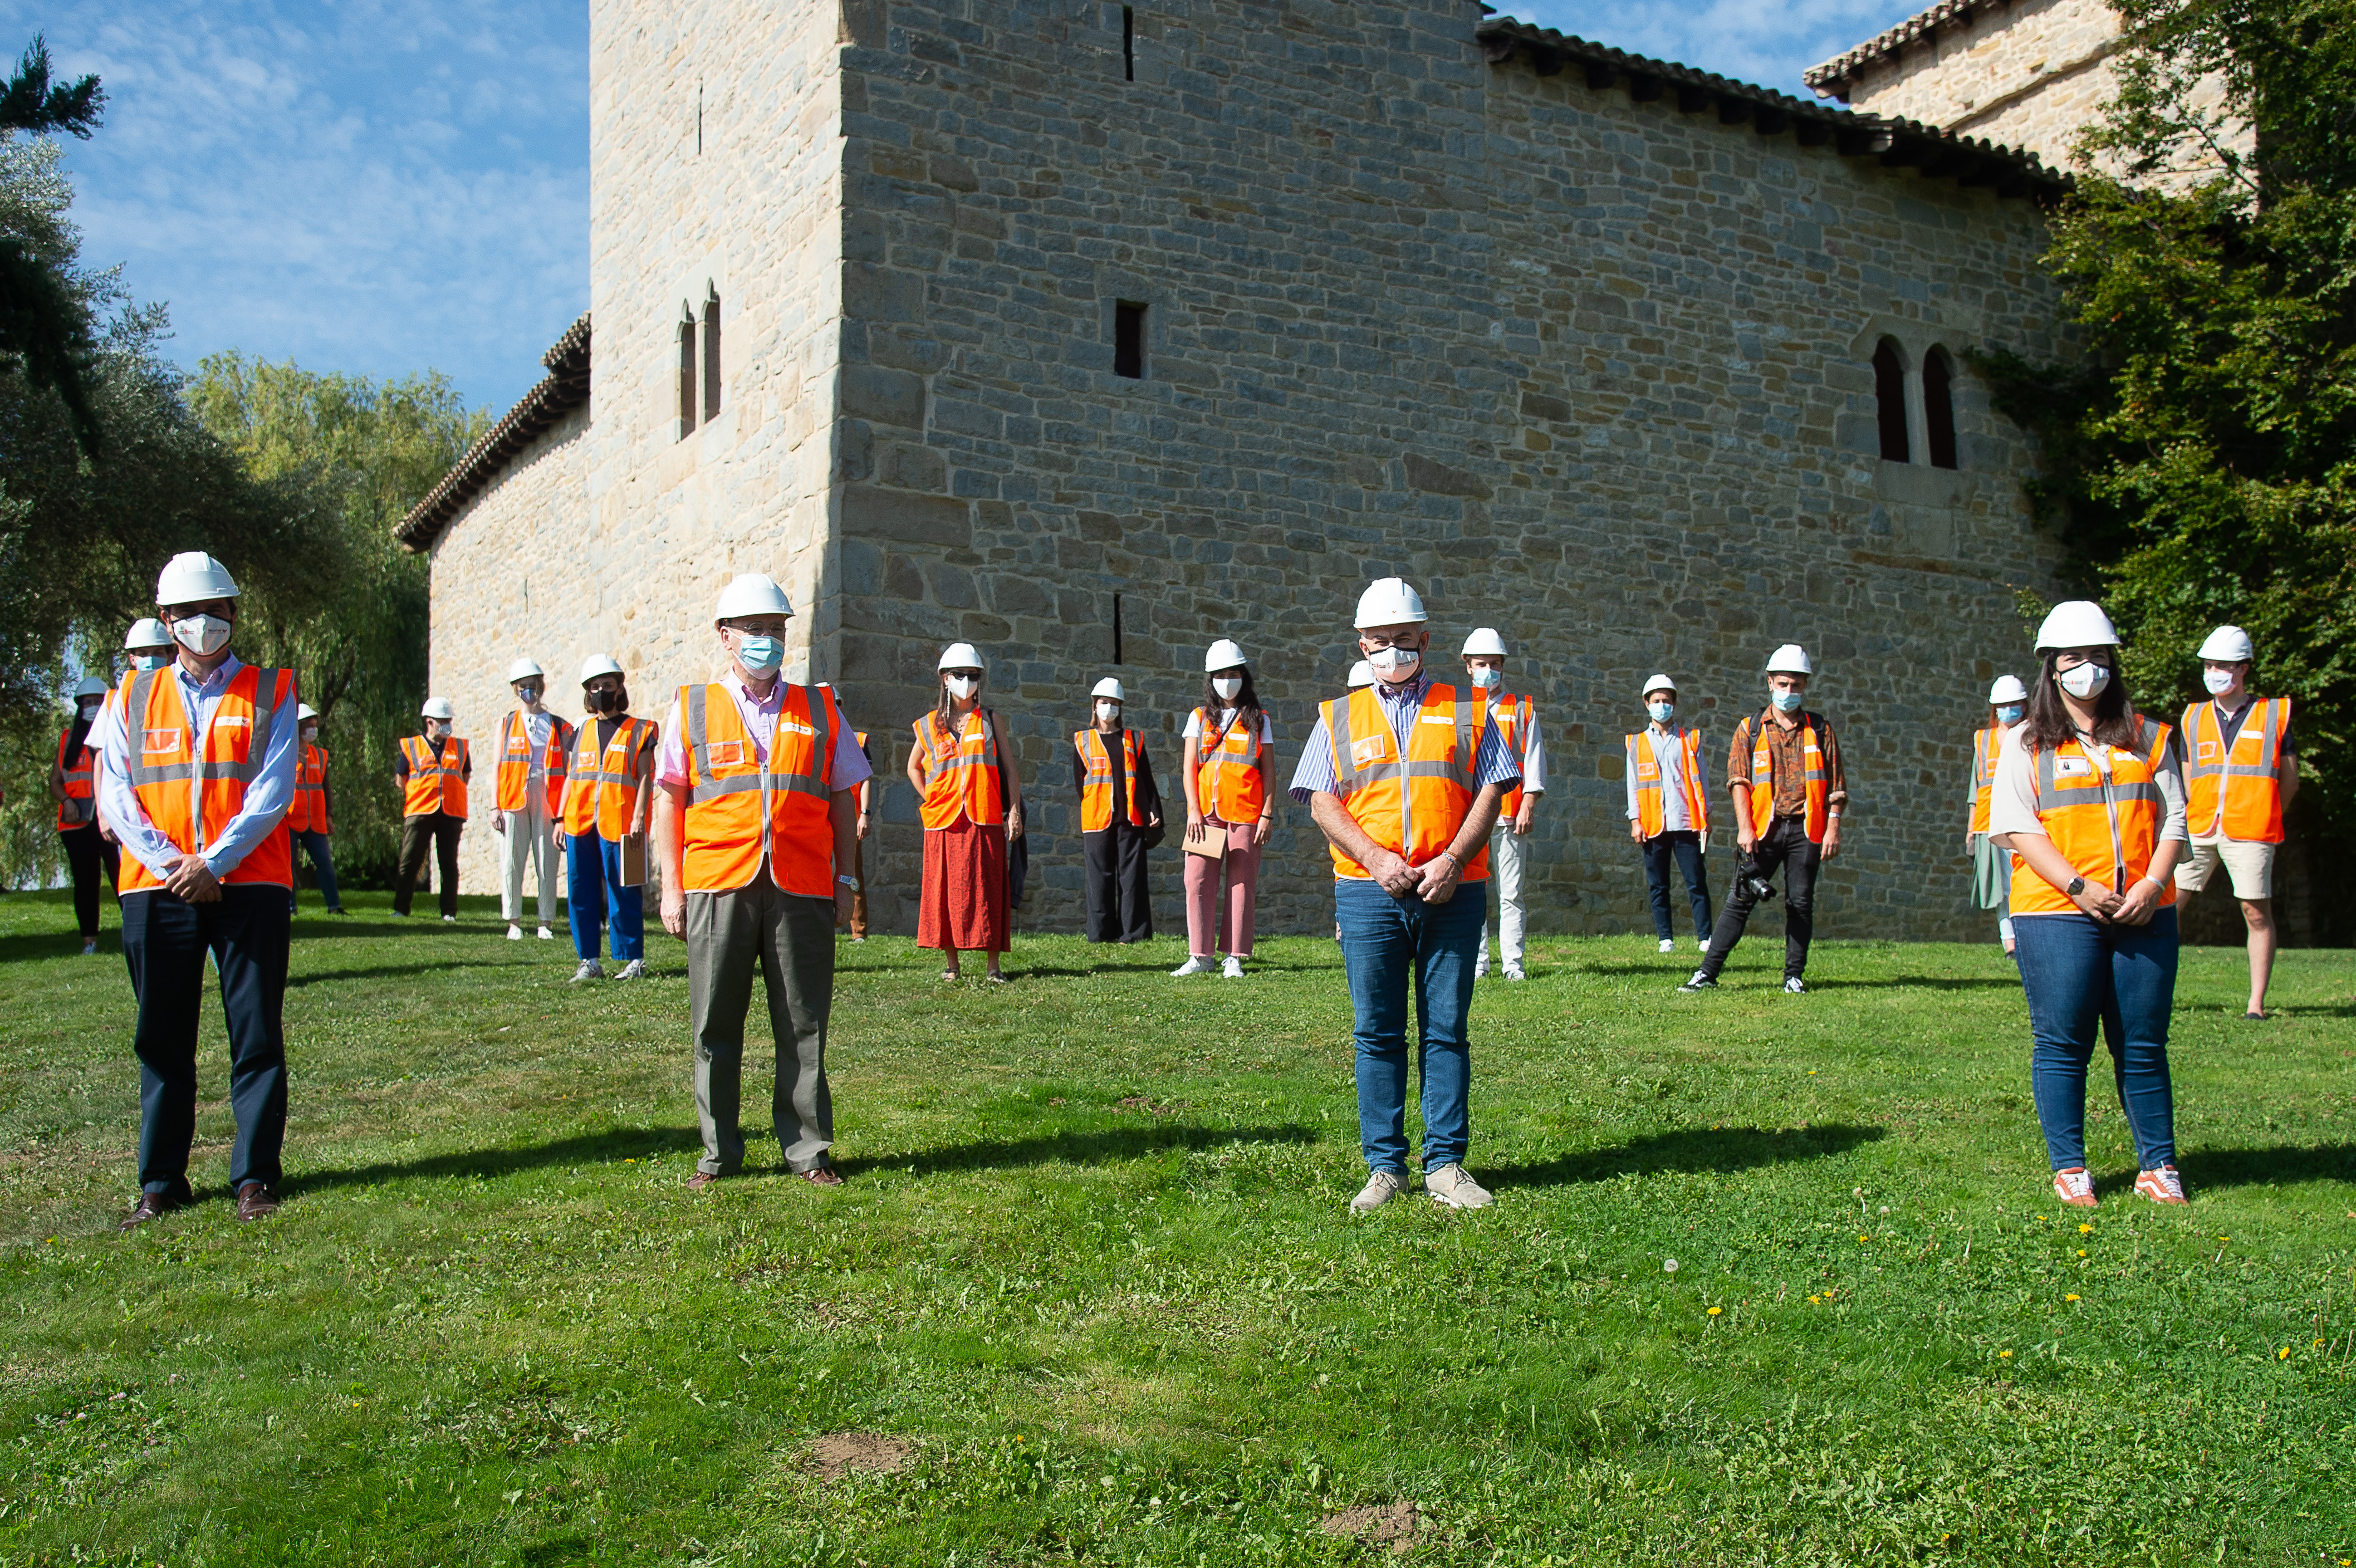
(1769, 122)
(1812, 133)
(1600, 75)
(1733, 111)
(1495, 47)
(1692, 100)
(1644, 88)
(1549, 63)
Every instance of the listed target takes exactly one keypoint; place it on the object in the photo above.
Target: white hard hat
(88, 686)
(525, 669)
(1388, 601)
(1223, 654)
(752, 594)
(598, 664)
(1789, 660)
(437, 708)
(2077, 623)
(147, 633)
(305, 713)
(1109, 687)
(1361, 674)
(960, 655)
(2007, 689)
(1484, 642)
(2228, 644)
(1658, 683)
(193, 577)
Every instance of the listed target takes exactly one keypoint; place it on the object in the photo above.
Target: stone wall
(1586, 368)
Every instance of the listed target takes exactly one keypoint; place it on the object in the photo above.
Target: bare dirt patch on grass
(840, 1454)
(1374, 1524)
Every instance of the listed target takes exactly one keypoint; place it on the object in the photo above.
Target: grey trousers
(792, 939)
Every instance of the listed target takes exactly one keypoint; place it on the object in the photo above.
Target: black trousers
(439, 829)
(87, 851)
(1119, 907)
(1784, 848)
(1683, 846)
(166, 940)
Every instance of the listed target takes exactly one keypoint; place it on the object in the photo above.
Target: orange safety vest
(1412, 807)
(1652, 814)
(1760, 775)
(437, 778)
(2106, 827)
(741, 808)
(80, 807)
(1096, 788)
(1514, 715)
(308, 814)
(961, 774)
(191, 789)
(2236, 792)
(601, 792)
(1986, 745)
(1227, 768)
(515, 763)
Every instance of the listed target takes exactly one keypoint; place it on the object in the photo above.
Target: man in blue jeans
(1404, 777)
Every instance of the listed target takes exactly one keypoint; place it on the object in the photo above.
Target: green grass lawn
(1092, 1294)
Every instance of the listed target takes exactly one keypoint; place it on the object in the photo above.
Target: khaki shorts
(2249, 865)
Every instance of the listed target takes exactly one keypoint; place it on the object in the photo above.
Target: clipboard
(1215, 841)
(633, 859)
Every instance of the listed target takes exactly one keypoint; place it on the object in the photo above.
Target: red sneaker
(2161, 1185)
(2074, 1187)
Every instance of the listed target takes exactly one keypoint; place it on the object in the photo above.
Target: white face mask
(1663, 711)
(1110, 712)
(1396, 664)
(2085, 680)
(200, 635)
(2219, 682)
(1484, 678)
(1227, 686)
(963, 686)
(310, 734)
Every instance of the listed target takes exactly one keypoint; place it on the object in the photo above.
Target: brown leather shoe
(151, 1205)
(256, 1201)
(701, 1180)
(820, 1175)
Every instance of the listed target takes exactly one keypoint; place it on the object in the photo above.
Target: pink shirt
(850, 767)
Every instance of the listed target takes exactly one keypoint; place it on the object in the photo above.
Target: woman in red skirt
(971, 802)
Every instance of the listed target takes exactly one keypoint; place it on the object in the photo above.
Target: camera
(1752, 881)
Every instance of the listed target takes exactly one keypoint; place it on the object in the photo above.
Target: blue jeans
(1385, 941)
(323, 862)
(593, 882)
(2079, 976)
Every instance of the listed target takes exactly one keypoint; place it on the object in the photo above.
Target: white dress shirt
(266, 799)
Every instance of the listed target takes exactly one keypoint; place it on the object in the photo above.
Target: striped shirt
(1494, 765)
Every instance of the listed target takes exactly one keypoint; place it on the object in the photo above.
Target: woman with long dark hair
(2089, 797)
(970, 801)
(1230, 811)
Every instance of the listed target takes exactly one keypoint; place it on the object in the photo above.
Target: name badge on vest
(163, 742)
(231, 721)
(1370, 750)
(725, 753)
(1436, 719)
(794, 726)
(519, 746)
(2073, 767)
(2209, 751)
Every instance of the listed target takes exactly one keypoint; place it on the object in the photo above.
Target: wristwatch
(2077, 886)
(853, 881)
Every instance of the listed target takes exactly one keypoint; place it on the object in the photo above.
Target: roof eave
(562, 390)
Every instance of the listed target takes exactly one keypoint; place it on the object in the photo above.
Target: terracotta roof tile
(1831, 78)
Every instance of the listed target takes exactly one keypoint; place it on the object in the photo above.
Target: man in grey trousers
(755, 815)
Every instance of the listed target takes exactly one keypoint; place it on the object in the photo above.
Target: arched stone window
(687, 375)
(1939, 408)
(1889, 402)
(711, 356)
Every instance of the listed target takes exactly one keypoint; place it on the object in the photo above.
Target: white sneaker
(590, 970)
(1380, 1188)
(1668, 944)
(634, 970)
(1193, 966)
(1514, 971)
(515, 932)
(1450, 1186)
(449, 919)
(1233, 969)
(1701, 944)
(1795, 987)
(545, 934)
(89, 946)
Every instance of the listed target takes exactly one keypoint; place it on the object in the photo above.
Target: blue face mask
(151, 661)
(761, 655)
(1663, 711)
(2009, 713)
(1787, 702)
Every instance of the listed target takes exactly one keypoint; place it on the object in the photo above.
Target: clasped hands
(192, 881)
(2134, 907)
(1434, 881)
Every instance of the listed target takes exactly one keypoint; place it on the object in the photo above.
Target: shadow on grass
(1925, 981)
(295, 981)
(1728, 1149)
(2268, 1167)
(1076, 1148)
(28, 946)
(488, 1165)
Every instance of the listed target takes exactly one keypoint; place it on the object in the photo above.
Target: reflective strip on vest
(1375, 783)
(961, 774)
(789, 825)
(1985, 747)
(1651, 812)
(2236, 790)
(1228, 782)
(515, 764)
(1096, 788)
(2105, 824)
(1760, 777)
(438, 776)
(80, 785)
(601, 789)
(308, 814)
(157, 724)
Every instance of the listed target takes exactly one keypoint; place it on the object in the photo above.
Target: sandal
(950, 975)
(994, 978)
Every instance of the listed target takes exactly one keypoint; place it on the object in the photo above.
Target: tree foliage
(2204, 451)
(43, 328)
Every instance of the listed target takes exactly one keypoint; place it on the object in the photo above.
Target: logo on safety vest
(725, 753)
(1374, 748)
(2210, 751)
(793, 726)
(166, 741)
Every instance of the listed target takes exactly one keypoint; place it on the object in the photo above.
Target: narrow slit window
(1129, 340)
(1116, 628)
(1129, 43)
(1939, 407)
(1889, 402)
(712, 357)
(686, 376)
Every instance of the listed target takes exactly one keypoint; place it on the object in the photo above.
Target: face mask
(963, 686)
(2009, 713)
(2219, 682)
(151, 661)
(1663, 711)
(528, 695)
(310, 734)
(1396, 664)
(1787, 702)
(2085, 680)
(436, 730)
(1485, 679)
(1227, 686)
(761, 655)
(200, 635)
(1108, 712)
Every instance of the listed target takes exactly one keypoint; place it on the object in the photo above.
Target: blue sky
(382, 187)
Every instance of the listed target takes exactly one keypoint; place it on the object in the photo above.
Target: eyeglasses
(1379, 641)
(775, 628)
